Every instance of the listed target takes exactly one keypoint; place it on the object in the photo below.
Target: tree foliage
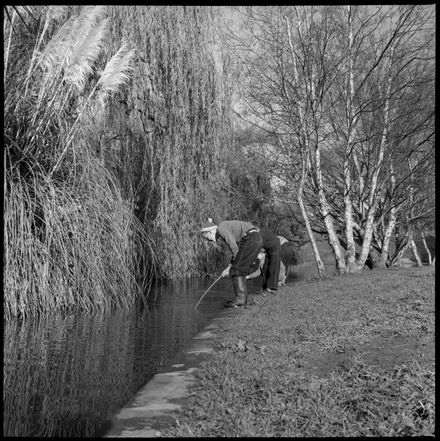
(168, 131)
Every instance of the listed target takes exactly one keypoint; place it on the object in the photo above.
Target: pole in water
(216, 280)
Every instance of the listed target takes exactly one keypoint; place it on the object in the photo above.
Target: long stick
(216, 280)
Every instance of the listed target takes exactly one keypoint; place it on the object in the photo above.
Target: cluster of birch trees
(347, 96)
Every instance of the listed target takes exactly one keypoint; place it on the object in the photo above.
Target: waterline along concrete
(159, 402)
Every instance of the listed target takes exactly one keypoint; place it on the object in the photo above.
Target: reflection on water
(66, 375)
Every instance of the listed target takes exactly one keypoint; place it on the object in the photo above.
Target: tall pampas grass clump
(71, 240)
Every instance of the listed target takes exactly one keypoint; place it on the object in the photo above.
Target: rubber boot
(240, 290)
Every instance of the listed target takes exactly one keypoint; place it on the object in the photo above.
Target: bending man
(245, 242)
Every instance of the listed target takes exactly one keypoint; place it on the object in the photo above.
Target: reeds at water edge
(70, 238)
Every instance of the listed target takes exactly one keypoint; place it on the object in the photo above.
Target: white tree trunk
(384, 253)
(305, 153)
(351, 122)
(415, 252)
(391, 222)
(374, 178)
(422, 234)
(325, 212)
(305, 169)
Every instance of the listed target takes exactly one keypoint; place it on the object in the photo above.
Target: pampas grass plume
(114, 74)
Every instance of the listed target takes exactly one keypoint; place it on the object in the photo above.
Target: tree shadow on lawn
(393, 328)
(381, 352)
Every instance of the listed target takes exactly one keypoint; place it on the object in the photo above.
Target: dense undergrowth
(346, 356)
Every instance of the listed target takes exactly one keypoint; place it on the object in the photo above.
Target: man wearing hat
(245, 241)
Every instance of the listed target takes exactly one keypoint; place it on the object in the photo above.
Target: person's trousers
(271, 273)
(282, 275)
(248, 249)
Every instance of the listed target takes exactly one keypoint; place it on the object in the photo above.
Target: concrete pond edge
(160, 400)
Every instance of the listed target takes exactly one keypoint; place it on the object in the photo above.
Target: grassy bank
(347, 356)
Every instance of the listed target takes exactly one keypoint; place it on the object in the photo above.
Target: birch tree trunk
(415, 252)
(422, 234)
(391, 222)
(374, 178)
(325, 212)
(304, 172)
(411, 242)
(305, 156)
(351, 121)
(311, 96)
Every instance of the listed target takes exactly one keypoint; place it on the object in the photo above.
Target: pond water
(66, 375)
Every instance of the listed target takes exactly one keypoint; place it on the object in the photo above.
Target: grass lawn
(345, 356)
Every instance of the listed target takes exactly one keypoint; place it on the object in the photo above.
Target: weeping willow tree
(115, 122)
(168, 130)
(70, 237)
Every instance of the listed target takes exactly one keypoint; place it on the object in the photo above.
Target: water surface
(66, 375)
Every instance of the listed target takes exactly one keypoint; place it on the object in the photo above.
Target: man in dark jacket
(245, 242)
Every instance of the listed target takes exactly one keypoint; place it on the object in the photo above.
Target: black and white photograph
(219, 220)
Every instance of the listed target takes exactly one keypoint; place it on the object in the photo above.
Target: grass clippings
(344, 356)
